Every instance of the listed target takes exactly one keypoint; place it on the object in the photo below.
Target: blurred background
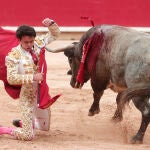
(75, 16)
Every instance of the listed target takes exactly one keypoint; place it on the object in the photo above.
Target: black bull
(123, 64)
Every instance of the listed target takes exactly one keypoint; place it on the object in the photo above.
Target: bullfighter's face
(27, 42)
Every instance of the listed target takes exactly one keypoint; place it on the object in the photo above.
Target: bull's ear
(69, 52)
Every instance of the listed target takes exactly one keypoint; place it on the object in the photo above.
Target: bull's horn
(61, 49)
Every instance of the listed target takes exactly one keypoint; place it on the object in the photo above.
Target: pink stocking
(6, 130)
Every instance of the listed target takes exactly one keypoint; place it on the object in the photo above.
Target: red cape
(8, 40)
(45, 99)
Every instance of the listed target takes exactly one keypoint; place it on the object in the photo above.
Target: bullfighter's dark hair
(25, 30)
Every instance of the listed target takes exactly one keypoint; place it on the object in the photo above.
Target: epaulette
(38, 41)
(14, 54)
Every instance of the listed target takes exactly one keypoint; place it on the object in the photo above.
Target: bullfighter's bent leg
(27, 117)
(26, 105)
(27, 131)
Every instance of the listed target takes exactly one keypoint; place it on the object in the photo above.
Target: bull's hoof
(69, 72)
(90, 114)
(136, 140)
(116, 119)
(94, 112)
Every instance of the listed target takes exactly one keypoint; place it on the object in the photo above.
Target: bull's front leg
(98, 92)
(95, 106)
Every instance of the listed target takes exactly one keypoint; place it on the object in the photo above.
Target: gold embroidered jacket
(20, 66)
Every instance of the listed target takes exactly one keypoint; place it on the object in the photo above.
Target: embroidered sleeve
(52, 35)
(13, 77)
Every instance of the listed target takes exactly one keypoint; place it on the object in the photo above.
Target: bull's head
(73, 53)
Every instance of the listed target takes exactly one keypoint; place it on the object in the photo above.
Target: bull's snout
(72, 83)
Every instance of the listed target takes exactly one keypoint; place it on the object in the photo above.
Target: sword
(38, 94)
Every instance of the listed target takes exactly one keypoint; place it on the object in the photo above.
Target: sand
(71, 128)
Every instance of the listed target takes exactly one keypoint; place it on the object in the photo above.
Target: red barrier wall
(69, 12)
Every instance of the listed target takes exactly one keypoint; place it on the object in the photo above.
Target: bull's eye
(70, 60)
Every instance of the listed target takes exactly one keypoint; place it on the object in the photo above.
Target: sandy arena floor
(71, 127)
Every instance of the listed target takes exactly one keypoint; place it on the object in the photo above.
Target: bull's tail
(130, 93)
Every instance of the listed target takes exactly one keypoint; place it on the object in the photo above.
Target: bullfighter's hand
(38, 77)
(48, 22)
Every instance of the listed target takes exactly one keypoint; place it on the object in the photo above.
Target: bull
(121, 62)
